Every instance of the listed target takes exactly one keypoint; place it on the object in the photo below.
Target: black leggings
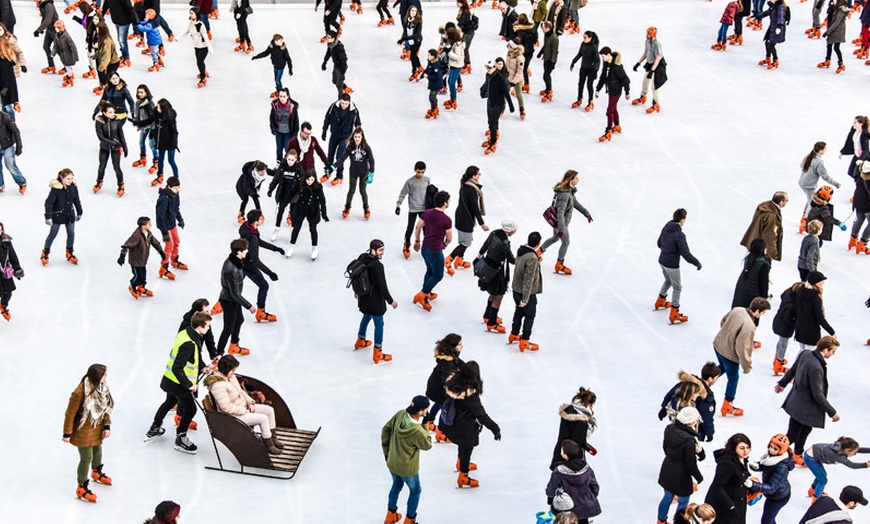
(4, 298)
(281, 207)
(548, 70)
(458, 251)
(256, 200)
(297, 226)
(528, 57)
(587, 76)
(116, 164)
(331, 21)
(351, 188)
(465, 457)
(233, 321)
(836, 48)
(110, 70)
(415, 58)
(242, 26)
(200, 54)
(797, 434)
(771, 50)
(383, 9)
(412, 221)
(139, 276)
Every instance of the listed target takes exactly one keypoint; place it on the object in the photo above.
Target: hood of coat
(5, 238)
(819, 201)
(688, 377)
(350, 108)
(569, 189)
(517, 51)
(523, 250)
(57, 184)
(768, 460)
(448, 358)
(405, 426)
(461, 395)
(770, 207)
(575, 466)
(521, 27)
(723, 455)
(214, 378)
(672, 227)
(572, 417)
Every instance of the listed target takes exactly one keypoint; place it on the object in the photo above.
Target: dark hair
(284, 90)
(585, 397)
(85, 8)
(593, 37)
(864, 121)
(64, 172)
(227, 363)
(547, 25)
(143, 87)
(142, 221)
(808, 160)
(534, 239)
(198, 304)
(432, 52)
(173, 181)
(848, 443)
(605, 51)
(258, 166)
(95, 374)
(453, 35)
(345, 97)
(419, 165)
(570, 448)
(680, 214)
(470, 172)
(166, 109)
(523, 19)
(304, 126)
(735, 440)
(254, 215)
(710, 370)
(362, 143)
(756, 253)
(447, 345)
(238, 245)
(104, 105)
(468, 377)
(195, 11)
(463, 6)
(759, 304)
(779, 196)
(199, 319)
(441, 198)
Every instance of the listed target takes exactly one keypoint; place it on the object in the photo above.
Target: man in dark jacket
(767, 224)
(48, 15)
(508, 20)
(340, 120)
(835, 511)
(252, 266)
(807, 402)
(374, 304)
(123, 15)
(496, 91)
(10, 147)
(169, 219)
(335, 50)
(526, 287)
(673, 246)
(231, 299)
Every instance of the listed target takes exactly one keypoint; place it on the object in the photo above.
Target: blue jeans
(155, 53)
(413, 498)
(9, 109)
(379, 328)
(9, 160)
(70, 235)
(723, 32)
(123, 31)
(204, 19)
(819, 472)
(337, 146)
(732, 373)
(162, 154)
(143, 138)
(771, 508)
(452, 78)
(278, 74)
(434, 268)
(281, 141)
(665, 504)
(757, 7)
(256, 276)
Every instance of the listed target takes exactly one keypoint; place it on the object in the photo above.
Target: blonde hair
(702, 511)
(814, 227)
(566, 179)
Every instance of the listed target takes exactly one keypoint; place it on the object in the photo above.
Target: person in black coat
(509, 17)
(754, 280)
(612, 77)
(682, 452)
(118, 95)
(341, 119)
(784, 324)
(285, 184)
(673, 245)
(810, 313)
(112, 143)
(496, 253)
(857, 146)
(807, 402)
(469, 211)
(828, 509)
(7, 15)
(373, 306)
(861, 205)
(727, 493)
(362, 169)
(577, 423)
(243, 8)
(253, 266)
(496, 91)
(331, 12)
(283, 121)
(165, 134)
(201, 305)
(335, 50)
(62, 208)
(48, 16)
(590, 60)
(447, 362)
(412, 39)
(8, 262)
(280, 57)
(464, 389)
(248, 185)
(310, 206)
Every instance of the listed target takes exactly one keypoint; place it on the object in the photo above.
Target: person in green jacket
(402, 439)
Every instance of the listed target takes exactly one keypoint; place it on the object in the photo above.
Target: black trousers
(297, 226)
(797, 435)
(200, 54)
(548, 72)
(139, 276)
(116, 165)
(233, 321)
(771, 50)
(412, 221)
(464, 457)
(178, 395)
(242, 26)
(331, 21)
(256, 199)
(524, 317)
(492, 116)
(587, 76)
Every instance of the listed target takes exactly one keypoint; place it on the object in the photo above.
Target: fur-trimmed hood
(525, 27)
(572, 417)
(688, 377)
(461, 395)
(213, 378)
(448, 358)
(57, 184)
(5, 238)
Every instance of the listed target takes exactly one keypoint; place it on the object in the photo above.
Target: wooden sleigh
(247, 446)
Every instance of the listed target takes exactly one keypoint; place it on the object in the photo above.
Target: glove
(323, 66)
(48, 223)
(842, 226)
(698, 266)
(709, 438)
(371, 178)
(399, 212)
(650, 73)
(591, 449)
(497, 436)
(754, 466)
(17, 151)
(560, 234)
(281, 250)
(327, 170)
(702, 455)
(121, 260)
(572, 67)
(78, 217)
(181, 223)
(23, 69)
(635, 67)
(162, 255)
(36, 34)
(273, 276)
(325, 218)
(825, 34)
(748, 483)
(166, 237)
(589, 219)
(323, 136)
(18, 273)
(663, 413)
(269, 193)
(124, 150)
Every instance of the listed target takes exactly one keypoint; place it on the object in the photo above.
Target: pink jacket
(228, 394)
(728, 15)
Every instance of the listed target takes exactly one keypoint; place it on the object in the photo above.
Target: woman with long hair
(467, 24)
(469, 210)
(165, 135)
(107, 59)
(12, 64)
(589, 62)
(857, 144)
(564, 202)
(310, 206)
(362, 169)
(812, 169)
(9, 267)
(201, 43)
(810, 312)
(754, 280)
(447, 362)
(86, 424)
(412, 38)
(455, 57)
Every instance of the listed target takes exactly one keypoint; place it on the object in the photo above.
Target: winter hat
(490, 64)
(173, 181)
(562, 501)
(418, 404)
(865, 170)
(508, 225)
(815, 277)
(376, 244)
(167, 511)
(512, 44)
(780, 442)
(688, 415)
(852, 494)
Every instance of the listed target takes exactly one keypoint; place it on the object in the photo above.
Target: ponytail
(808, 160)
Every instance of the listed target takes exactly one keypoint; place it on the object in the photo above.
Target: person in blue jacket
(151, 29)
(673, 246)
(775, 466)
(169, 219)
(705, 403)
(435, 77)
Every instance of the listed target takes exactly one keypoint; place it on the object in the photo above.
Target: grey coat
(807, 401)
(565, 203)
(527, 273)
(837, 25)
(65, 48)
(809, 255)
(810, 178)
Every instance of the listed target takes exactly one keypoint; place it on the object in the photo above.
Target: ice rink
(729, 134)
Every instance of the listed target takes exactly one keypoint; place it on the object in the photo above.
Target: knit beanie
(688, 415)
(815, 277)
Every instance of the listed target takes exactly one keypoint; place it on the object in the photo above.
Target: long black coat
(470, 415)
(807, 402)
(285, 182)
(444, 367)
(613, 77)
(753, 284)
(727, 494)
(7, 15)
(121, 11)
(62, 204)
(375, 303)
(311, 204)
(468, 209)
(8, 82)
(496, 250)
(165, 131)
(810, 317)
(861, 197)
(8, 256)
(246, 184)
(681, 463)
(849, 149)
(784, 321)
(573, 425)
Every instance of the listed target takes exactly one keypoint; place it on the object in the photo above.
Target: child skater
(201, 43)
(285, 184)
(151, 29)
(576, 479)
(822, 210)
(839, 452)
(112, 143)
(138, 247)
(808, 259)
(727, 20)
(248, 185)
(435, 79)
(65, 48)
(241, 9)
(614, 78)
(277, 52)
(142, 119)
(412, 38)
(775, 466)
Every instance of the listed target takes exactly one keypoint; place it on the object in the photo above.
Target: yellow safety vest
(191, 369)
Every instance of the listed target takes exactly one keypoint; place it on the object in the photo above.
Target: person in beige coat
(231, 398)
(516, 64)
(734, 344)
(86, 423)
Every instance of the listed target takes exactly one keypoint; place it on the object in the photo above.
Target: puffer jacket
(673, 245)
(774, 476)
(228, 395)
(109, 133)
(565, 201)
(470, 415)
(576, 423)
(63, 204)
(515, 64)
(65, 48)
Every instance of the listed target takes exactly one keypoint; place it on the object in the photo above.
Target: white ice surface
(730, 133)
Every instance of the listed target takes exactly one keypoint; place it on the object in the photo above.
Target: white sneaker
(314, 253)
(289, 251)
(274, 235)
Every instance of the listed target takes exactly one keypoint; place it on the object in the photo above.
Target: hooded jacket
(705, 404)
(65, 48)
(9, 134)
(588, 56)
(285, 182)
(766, 224)
(527, 274)
(774, 476)
(402, 439)
(680, 465)
(168, 212)
(577, 479)
(252, 260)
(752, 284)
(278, 120)
(109, 133)
(229, 396)
(784, 321)
(62, 205)
(809, 316)
(727, 494)
(341, 122)
(279, 56)
(10, 258)
(138, 246)
(576, 423)
(445, 366)
(470, 415)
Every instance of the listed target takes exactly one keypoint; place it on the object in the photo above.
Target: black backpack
(431, 189)
(357, 274)
(475, 22)
(448, 412)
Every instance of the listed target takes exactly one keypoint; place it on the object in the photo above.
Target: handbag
(484, 271)
(551, 215)
(6, 270)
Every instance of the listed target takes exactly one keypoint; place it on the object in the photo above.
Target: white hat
(508, 225)
(688, 415)
(490, 64)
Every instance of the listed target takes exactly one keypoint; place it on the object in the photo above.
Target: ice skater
(138, 246)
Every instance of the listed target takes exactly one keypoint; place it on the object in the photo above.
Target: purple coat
(779, 18)
(577, 479)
